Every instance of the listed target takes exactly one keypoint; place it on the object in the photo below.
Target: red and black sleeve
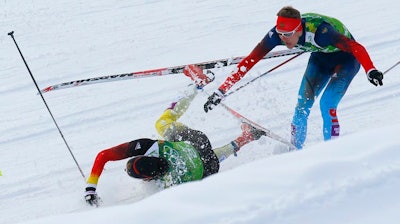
(327, 35)
(119, 152)
(270, 41)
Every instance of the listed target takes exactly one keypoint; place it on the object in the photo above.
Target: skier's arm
(327, 35)
(119, 152)
(263, 47)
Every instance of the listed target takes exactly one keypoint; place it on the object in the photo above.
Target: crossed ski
(161, 71)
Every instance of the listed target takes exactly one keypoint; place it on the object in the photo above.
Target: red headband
(286, 24)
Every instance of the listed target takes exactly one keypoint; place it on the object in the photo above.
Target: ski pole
(387, 70)
(44, 101)
(265, 73)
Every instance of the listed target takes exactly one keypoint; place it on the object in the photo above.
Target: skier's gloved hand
(213, 100)
(91, 196)
(375, 77)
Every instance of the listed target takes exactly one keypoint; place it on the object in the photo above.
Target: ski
(268, 132)
(263, 74)
(161, 71)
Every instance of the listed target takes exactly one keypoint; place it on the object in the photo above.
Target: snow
(354, 179)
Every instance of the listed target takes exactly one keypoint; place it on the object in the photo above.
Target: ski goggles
(287, 26)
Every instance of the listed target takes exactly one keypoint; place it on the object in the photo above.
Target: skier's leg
(314, 80)
(249, 134)
(168, 119)
(334, 92)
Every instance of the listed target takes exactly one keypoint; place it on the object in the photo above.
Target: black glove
(91, 196)
(213, 100)
(375, 77)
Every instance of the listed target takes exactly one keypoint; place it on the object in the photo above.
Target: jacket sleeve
(119, 152)
(327, 35)
(263, 47)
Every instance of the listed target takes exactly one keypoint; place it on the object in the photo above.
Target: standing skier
(184, 155)
(334, 61)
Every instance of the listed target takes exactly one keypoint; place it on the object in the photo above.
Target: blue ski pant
(334, 72)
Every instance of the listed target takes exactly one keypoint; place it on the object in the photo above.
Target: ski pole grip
(11, 33)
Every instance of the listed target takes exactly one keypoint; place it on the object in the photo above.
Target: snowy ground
(354, 179)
